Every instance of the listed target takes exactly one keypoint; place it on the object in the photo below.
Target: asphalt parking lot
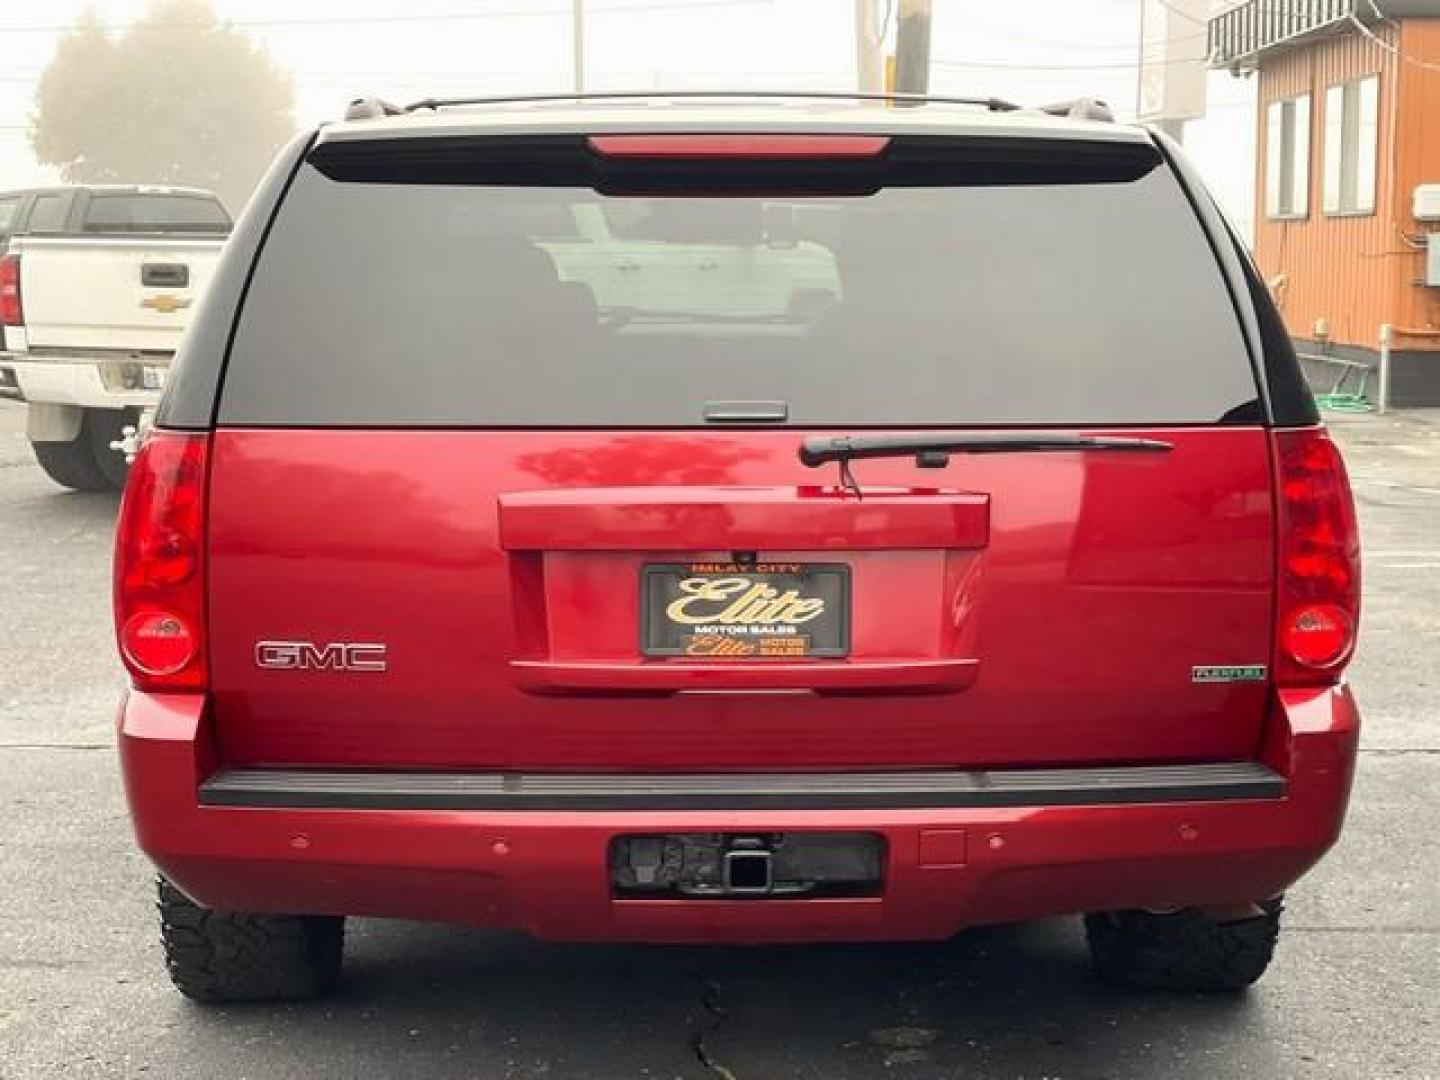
(1354, 992)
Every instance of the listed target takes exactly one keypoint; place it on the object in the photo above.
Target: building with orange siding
(1349, 127)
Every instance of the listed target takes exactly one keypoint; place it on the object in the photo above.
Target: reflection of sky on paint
(1039, 51)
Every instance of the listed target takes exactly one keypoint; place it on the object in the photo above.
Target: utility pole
(1174, 128)
(577, 42)
(869, 44)
(912, 47)
(1170, 80)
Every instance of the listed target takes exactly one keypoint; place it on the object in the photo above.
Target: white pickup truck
(644, 271)
(96, 286)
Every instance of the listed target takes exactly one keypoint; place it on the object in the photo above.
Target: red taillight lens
(160, 565)
(12, 311)
(1319, 573)
(158, 642)
(1317, 636)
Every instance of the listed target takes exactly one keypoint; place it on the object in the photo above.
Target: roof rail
(1085, 108)
(370, 108)
(994, 104)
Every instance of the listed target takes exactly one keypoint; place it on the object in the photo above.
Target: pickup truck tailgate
(110, 292)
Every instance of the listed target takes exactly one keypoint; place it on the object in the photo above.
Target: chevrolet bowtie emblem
(165, 303)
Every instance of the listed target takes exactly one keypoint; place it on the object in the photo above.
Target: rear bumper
(953, 861)
(75, 380)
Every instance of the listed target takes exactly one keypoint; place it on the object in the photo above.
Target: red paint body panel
(1058, 600)
(675, 676)
(695, 518)
(547, 872)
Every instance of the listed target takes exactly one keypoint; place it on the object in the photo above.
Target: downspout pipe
(1387, 335)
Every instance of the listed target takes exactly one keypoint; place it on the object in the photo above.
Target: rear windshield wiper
(933, 450)
(820, 449)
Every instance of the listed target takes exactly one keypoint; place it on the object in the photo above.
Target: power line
(529, 10)
(1169, 6)
(1393, 50)
(1126, 65)
(1070, 44)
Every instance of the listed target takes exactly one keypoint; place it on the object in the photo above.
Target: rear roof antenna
(1085, 108)
(370, 108)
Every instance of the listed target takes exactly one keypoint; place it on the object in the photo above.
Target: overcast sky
(1038, 51)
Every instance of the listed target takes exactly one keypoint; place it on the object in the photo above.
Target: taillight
(160, 564)
(12, 311)
(739, 146)
(1318, 592)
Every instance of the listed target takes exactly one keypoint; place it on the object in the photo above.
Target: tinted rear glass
(142, 213)
(454, 304)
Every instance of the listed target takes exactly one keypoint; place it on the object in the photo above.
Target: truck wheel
(219, 956)
(86, 462)
(1185, 950)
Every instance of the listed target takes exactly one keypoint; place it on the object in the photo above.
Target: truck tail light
(160, 564)
(1318, 590)
(12, 311)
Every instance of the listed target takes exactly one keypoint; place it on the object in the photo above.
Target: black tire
(1186, 950)
(220, 956)
(86, 462)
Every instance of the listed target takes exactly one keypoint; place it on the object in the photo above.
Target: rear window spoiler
(575, 160)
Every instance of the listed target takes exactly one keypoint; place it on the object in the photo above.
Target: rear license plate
(738, 611)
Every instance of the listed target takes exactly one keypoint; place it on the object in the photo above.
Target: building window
(1287, 158)
(1352, 139)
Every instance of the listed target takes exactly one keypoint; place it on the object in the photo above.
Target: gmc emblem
(307, 656)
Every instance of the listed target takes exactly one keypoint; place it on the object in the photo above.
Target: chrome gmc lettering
(307, 656)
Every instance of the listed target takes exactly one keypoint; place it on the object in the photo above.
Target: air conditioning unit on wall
(1427, 203)
(1426, 210)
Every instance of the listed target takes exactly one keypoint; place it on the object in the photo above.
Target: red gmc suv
(735, 519)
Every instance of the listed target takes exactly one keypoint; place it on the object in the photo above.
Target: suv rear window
(144, 213)
(414, 303)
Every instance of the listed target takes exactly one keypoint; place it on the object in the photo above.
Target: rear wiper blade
(932, 448)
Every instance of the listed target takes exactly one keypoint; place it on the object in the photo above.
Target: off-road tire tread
(225, 956)
(1185, 951)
